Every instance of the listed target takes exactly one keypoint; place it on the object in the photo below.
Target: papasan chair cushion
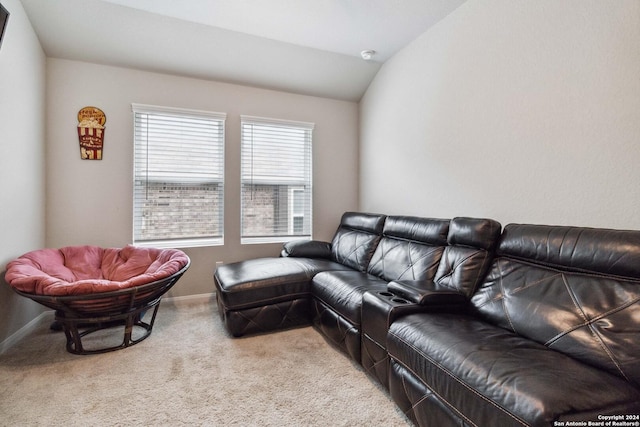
(78, 270)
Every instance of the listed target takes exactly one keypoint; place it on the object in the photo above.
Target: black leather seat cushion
(264, 281)
(495, 377)
(342, 291)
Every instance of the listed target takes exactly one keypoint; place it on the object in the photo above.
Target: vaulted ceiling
(310, 47)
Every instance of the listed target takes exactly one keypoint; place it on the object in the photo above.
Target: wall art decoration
(91, 122)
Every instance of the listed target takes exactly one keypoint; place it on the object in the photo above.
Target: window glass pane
(298, 201)
(178, 177)
(276, 180)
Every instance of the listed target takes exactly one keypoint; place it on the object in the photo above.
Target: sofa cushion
(306, 249)
(356, 239)
(482, 233)
(342, 291)
(612, 252)
(410, 248)
(565, 287)
(264, 281)
(468, 255)
(495, 377)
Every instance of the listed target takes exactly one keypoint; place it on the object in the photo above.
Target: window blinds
(276, 175)
(178, 176)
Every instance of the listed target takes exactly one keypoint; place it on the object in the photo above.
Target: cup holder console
(379, 309)
(393, 297)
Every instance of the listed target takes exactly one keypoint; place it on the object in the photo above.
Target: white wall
(522, 111)
(90, 202)
(22, 159)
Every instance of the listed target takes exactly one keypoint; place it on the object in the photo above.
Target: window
(178, 177)
(276, 180)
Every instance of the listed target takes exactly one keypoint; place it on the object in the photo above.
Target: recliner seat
(410, 248)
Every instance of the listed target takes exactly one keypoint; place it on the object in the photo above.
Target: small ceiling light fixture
(367, 55)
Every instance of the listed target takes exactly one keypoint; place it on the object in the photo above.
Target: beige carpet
(190, 372)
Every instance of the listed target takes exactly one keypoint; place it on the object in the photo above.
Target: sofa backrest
(356, 239)
(575, 290)
(410, 248)
(471, 244)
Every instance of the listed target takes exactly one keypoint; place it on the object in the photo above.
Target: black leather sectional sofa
(463, 323)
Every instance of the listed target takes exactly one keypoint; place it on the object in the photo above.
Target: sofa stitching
(622, 307)
(261, 301)
(455, 265)
(387, 249)
(356, 245)
(448, 274)
(350, 234)
(536, 283)
(413, 263)
(379, 362)
(446, 371)
(429, 253)
(419, 401)
(406, 393)
(517, 290)
(342, 332)
(443, 400)
(249, 322)
(385, 252)
(284, 314)
(579, 309)
(589, 324)
(327, 306)
(364, 350)
(359, 245)
(607, 350)
(504, 298)
(480, 271)
(426, 396)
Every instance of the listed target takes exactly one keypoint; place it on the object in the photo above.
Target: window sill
(181, 243)
(277, 239)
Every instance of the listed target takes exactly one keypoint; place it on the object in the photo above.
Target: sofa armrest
(426, 293)
(306, 249)
(381, 308)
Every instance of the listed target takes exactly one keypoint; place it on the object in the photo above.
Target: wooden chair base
(76, 328)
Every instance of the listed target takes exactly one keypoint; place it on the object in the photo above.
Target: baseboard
(190, 299)
(47, 316)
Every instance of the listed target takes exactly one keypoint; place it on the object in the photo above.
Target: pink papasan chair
(93, 288)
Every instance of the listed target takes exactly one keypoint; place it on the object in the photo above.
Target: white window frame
(298, 182)
(182, 173)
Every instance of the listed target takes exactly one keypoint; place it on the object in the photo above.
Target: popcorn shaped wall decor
(91, 122)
